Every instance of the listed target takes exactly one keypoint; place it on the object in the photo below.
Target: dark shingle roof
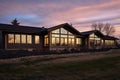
(66, 26)
(28, 29)
(110, 38)
(87, 33)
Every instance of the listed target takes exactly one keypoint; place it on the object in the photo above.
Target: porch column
(104, 44)
(1, 40)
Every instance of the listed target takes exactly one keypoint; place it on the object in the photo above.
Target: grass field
(81, 67)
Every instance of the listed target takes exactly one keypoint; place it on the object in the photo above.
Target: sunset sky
(80, 13)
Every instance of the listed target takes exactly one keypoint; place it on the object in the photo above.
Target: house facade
(110, 42)
(21, 37)
(94, 39)
(64, 36)
(60, 37)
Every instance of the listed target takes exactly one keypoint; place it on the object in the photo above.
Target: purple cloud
(49, 13)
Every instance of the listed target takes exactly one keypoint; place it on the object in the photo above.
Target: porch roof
(110, 38)
(98, 33)
(87, 33)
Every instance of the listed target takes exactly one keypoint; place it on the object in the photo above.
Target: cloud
(86, 11)
(48, 13)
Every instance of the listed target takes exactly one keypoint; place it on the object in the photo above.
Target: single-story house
(64, 36)
(60, 37)
(94, 39)
(110, 41)
(21, 37)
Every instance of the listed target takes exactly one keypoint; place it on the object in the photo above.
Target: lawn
(45, 68)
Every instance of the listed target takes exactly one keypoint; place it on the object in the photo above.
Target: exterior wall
(93, 42)
(86, 43)
(101, 46)
(42, 47)
(110, 45)
(21, 46)
(2, 45)
(60, 47)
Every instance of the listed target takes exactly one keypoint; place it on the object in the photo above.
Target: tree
(99, 26)
(15, 22)
(94, 26)
(107, 28)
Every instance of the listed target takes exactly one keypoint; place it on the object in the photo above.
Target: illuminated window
(63, 41)
(65, 36)
(29, 39)
(10, 38)
(20, 39)
(37, 39)
(46, 40)
(55, 41)
(93, 35)
(71, 40)
(55, 35)
(94, 40)
(106, 42)
(109, 42)
(78, 41)
(23, 39)
(71, 36)
(63, 31)
(56, 31)
(66, 42)
(102, 42)
(61, 37)
(17, 38)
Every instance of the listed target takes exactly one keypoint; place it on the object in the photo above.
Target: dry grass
(61, 58)
(88, 66)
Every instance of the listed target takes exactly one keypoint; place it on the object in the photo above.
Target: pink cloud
(54, 14)
(84, 12)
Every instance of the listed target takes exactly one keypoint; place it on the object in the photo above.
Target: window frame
(37, 39)
(63, 38)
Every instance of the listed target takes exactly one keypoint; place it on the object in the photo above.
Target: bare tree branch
(97, 26)
(94, 26)
(107, 28)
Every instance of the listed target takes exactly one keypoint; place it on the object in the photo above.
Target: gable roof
(110, 38)
(67, 27)
(87, 33)
(25, 29)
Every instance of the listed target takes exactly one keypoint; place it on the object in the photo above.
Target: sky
(80, 13)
